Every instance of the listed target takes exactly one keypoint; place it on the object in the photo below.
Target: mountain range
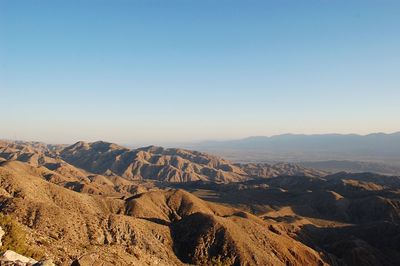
(377, 152)
(103, 204)
(377, 146)
(148, 163)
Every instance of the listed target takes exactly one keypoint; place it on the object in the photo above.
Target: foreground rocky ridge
(168, 227)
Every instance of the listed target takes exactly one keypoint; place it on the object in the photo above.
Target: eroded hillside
(103, 204)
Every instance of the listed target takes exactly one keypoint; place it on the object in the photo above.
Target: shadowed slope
(167, 227)
(205, 232)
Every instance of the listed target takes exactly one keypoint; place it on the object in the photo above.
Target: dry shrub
(15, 238)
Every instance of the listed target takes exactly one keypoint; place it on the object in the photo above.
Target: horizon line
(208, 140)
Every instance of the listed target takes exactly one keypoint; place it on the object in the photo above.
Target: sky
(149, 72)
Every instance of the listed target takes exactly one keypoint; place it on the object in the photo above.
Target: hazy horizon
(185, 71)
(166, 143)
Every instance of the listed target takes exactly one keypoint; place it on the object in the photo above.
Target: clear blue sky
(160, 71)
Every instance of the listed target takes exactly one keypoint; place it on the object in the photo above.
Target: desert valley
(103, 204)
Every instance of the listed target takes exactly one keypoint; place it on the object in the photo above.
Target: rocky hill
(352, 217)
(103, 204)
(172, 165)
(167, 227)
(148, 163)
(265, 170)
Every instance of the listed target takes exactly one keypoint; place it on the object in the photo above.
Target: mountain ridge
(101, 203)
(146, 163)
(374, 147)
(167, 227)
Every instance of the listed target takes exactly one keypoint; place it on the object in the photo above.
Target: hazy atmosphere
(151, 72)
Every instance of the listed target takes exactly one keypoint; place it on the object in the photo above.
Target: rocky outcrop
(12, 257)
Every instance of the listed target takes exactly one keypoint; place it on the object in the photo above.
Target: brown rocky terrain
(103, 204)
(265, 170)
(352, 217)
(149, 163)
(172, 165)
(335, 166)
(168, 227)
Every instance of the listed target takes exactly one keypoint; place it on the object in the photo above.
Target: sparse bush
(15, 238)
(219, 261)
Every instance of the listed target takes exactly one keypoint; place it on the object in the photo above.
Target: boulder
(11, 256)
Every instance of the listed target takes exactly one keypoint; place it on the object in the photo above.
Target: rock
(2, 233)
(11, 256)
